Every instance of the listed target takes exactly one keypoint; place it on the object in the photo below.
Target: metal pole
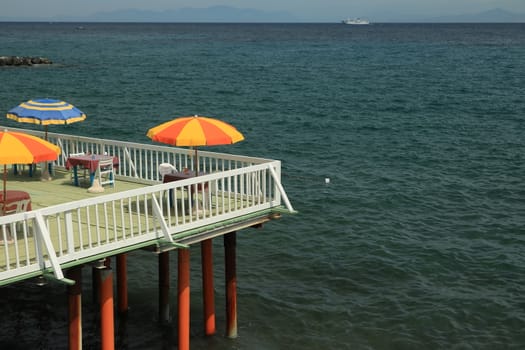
(95, 281)
(122, 284)
(184, 299)
(207, 287)
(75, 308)
(164, 286)
(4, 198)
(107, 326)
(231, 284)
(95, 277)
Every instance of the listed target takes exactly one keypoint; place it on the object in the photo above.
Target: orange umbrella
(195, 131)
(21, 148)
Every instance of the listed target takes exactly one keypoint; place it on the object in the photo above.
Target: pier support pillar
(164, 287)
(107, 326)
(184, 298)
(230, 243)
(207, 287)
(122, 284)
(75, 308)
(95, 277)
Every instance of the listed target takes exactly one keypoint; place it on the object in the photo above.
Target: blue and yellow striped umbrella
(46, 112)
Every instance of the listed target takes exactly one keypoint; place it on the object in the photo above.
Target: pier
(68, 230)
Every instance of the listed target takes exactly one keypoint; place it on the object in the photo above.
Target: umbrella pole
(196, 162)
(45, 172)
(4, 198)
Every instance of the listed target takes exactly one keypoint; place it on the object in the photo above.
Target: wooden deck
(60, 189)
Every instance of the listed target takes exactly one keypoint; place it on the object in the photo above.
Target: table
(90, 162)
(32, 167)
(12, 198)
(180, 175)
(183, 175)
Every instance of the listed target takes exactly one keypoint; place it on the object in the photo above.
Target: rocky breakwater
(23, 61)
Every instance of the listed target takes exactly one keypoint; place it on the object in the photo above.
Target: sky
(305, 9)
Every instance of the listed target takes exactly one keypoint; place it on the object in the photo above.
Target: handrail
(45, 237)
(140, 161)
(281, 189)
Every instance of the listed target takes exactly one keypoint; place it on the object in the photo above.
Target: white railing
(140, 161)
(45, 239)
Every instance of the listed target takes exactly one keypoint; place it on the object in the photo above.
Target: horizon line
(257, 22)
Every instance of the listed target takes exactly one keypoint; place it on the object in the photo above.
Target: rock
(23, 61)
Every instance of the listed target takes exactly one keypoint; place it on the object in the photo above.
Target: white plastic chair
(22, 205)
(106, 172)
(17, 207)
(84, 175)
(166, 168)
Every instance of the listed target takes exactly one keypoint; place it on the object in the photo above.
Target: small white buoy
(327, 180)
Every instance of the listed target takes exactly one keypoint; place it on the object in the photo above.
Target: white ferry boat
(357, 21)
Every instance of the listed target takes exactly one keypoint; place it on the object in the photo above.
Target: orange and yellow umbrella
(21, 148)
(195, 131)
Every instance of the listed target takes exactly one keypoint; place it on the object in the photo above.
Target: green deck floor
(60, 189)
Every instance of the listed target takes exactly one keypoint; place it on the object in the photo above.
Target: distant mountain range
(227, 14)
(187, 14)
(493, 16)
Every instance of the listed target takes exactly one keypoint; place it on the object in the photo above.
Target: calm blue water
(417, 242)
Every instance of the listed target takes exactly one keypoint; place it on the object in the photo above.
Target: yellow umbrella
(195, 131)
(21, 148)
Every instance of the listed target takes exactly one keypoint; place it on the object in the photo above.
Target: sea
(403, 153)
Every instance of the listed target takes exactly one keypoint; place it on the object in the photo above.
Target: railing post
(68, 217)
(45, 239)
(277, 181)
